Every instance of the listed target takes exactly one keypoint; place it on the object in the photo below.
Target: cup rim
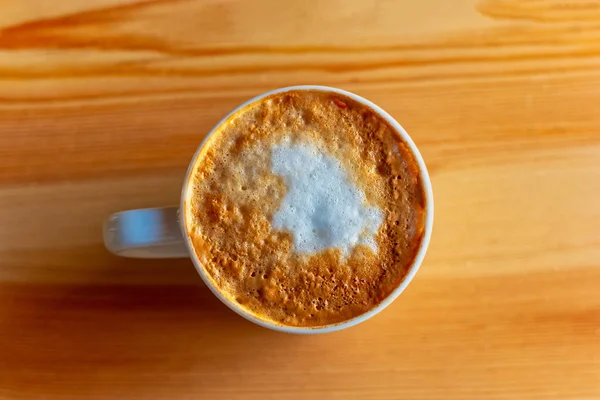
(426, 181)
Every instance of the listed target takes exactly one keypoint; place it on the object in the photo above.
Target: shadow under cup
(162, 232)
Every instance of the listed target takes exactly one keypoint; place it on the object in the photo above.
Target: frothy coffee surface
(305, 208)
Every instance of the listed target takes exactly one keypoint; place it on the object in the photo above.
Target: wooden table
(103, 102)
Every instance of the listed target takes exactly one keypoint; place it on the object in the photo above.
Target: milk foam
(321, 208)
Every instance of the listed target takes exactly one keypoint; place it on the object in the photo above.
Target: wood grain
(103, 102)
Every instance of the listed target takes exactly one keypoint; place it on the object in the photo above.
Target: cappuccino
(305, 208)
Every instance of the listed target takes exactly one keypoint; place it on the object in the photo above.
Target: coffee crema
(305, 208)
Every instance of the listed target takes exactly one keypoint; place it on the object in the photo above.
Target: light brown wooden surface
(103, 102)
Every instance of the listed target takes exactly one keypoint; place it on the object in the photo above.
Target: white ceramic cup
(161, 233)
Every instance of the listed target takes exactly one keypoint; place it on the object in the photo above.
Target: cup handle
(145, 233)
